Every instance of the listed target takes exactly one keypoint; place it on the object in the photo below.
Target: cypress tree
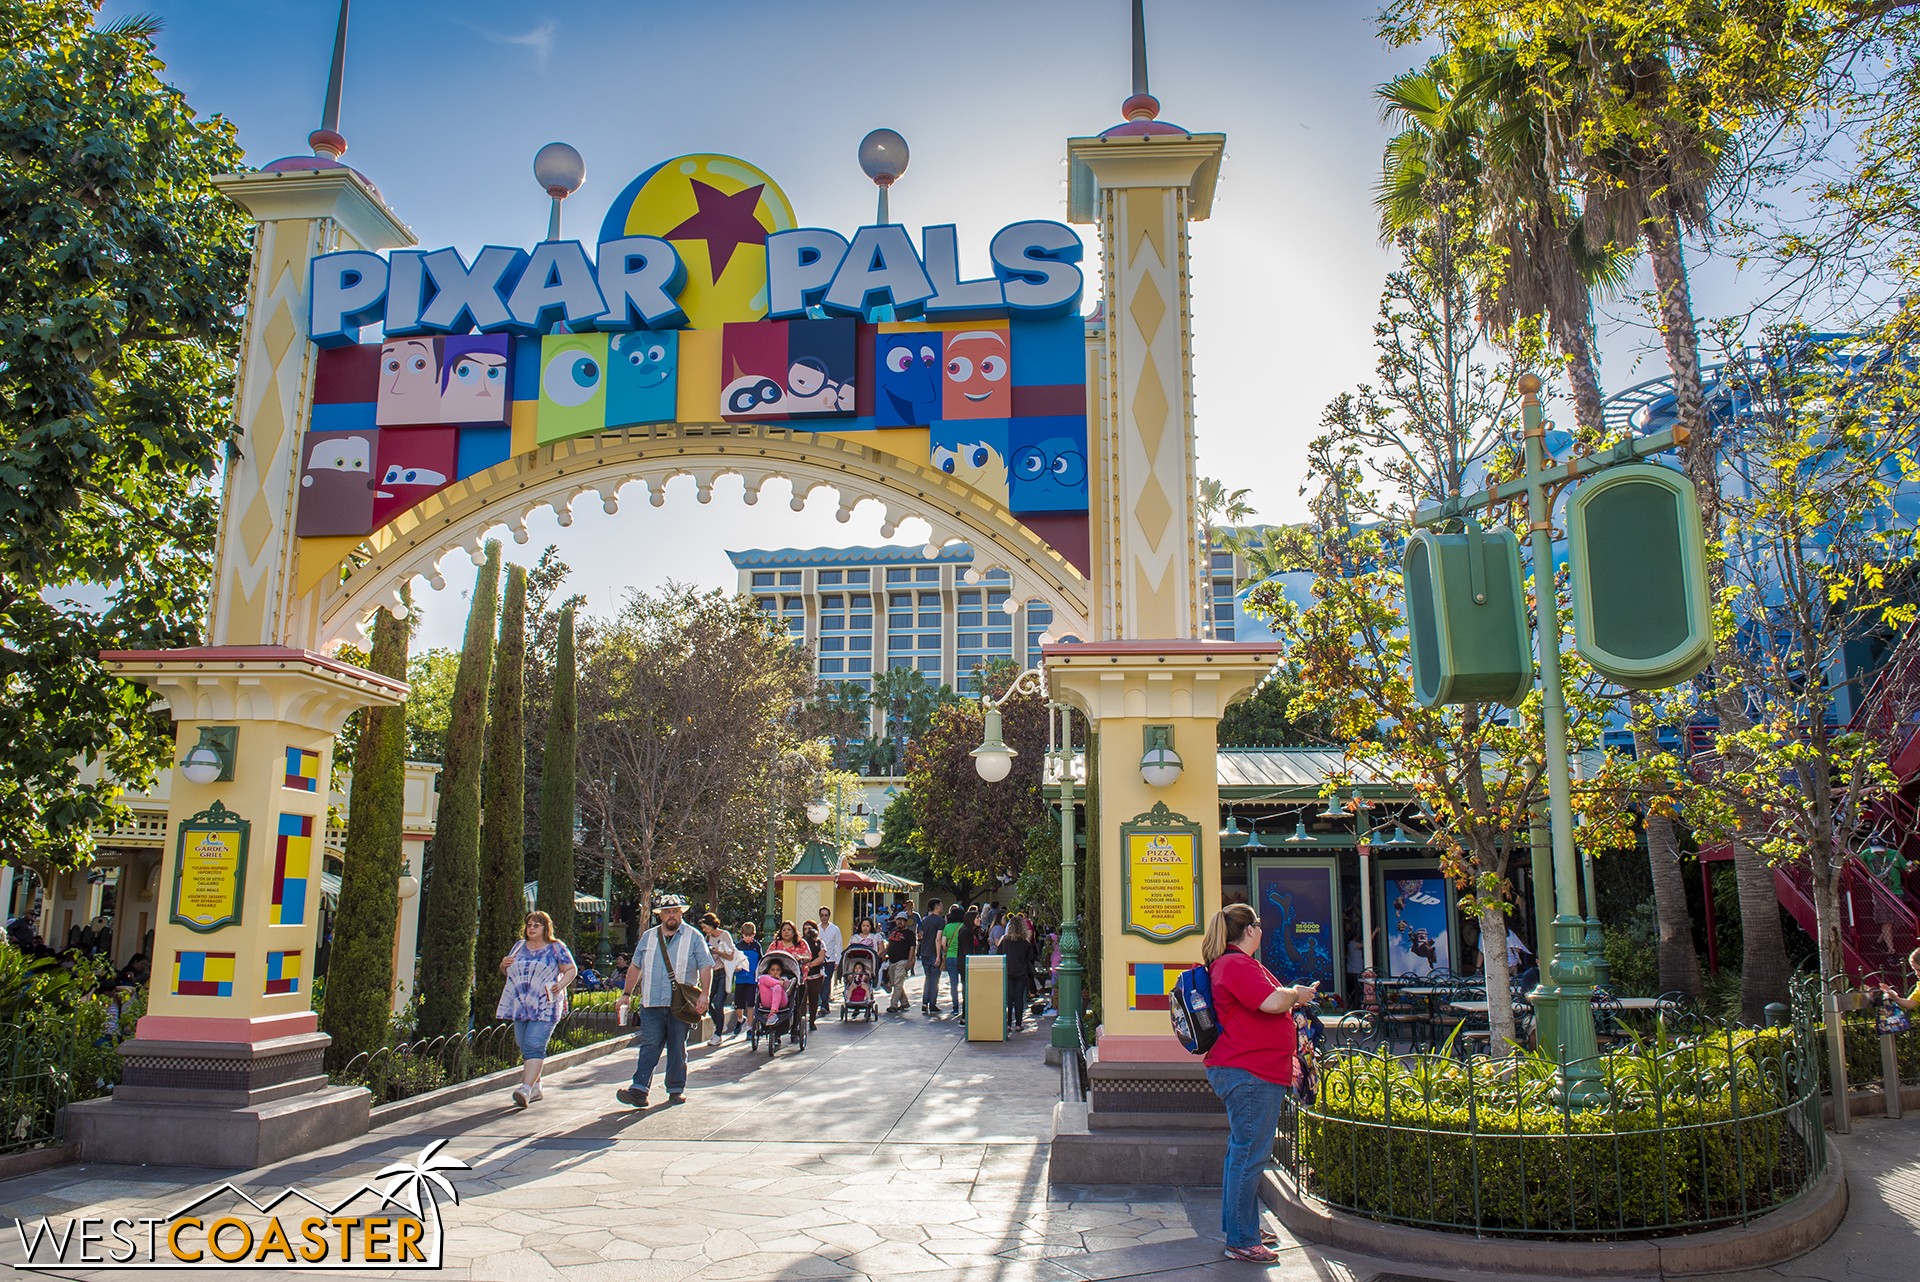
(452, 911)
(360, 971)
(556, 793)
(503, 849)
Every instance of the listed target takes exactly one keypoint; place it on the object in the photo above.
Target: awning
(874, 879)
(581, 903)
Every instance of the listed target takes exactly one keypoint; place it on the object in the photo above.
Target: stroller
(770, 1019)
(858, 966)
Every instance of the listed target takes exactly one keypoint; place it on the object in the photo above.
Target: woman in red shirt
(1250, 1068)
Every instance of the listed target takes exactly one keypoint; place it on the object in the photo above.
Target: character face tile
(642, 382)
(976, 375)
(907, 378)
(475, 380)
(788, 369)
(409, 383)
(974, 451)
(1047, 469)
(336, 490)
(573, 386)
(413, 462)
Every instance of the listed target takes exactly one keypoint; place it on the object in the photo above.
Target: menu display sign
(1162, 884)
(210, 870)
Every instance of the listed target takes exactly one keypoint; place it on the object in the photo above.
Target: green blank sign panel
(1640, 608)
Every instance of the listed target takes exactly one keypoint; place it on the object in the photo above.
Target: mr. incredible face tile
(411, 463)
(336, 484)
(907, 378)
(573, 386)
(475, 379)
(976, 382)
(1047, 471)
(409, 383)
(642, 386)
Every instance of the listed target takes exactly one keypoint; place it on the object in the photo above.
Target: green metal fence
(36, 1084)
(1696, 1134)
(402, 1071)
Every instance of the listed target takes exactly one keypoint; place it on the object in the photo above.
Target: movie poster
(1417, 936)
(1296, 906)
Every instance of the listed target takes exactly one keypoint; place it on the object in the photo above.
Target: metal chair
(1609, 1018)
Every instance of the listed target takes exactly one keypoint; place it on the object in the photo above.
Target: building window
(900, 576)
(929, 640)
(997, 576)
(859, 576)
(860, 665)
(971, 619)
(833, 643)
(763, 578)
(789, 578)
(969, 641)
(1037, 613)
(1000, 640)
(860, 621)
(930, 620)
(860, 643)
(1223, 634)
(900, 620)
(897, 641)
(930, 663)
(828, 576)
(832, 665)
(1223, 561)
(767, 603)
(970, 599)
(900, 601)
(927, 574)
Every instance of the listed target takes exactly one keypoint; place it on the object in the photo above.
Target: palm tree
(1218, 506)
(415, 1181)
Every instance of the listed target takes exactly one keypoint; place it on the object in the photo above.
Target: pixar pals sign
(701, 302)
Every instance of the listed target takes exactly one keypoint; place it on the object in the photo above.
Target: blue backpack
(1190, 1006)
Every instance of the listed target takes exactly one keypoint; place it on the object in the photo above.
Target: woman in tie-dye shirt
(538, 971)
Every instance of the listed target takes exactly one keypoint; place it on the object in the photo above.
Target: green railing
(37, 1082)
(1865, 1072)
(1696, 1134)
(407, 1069)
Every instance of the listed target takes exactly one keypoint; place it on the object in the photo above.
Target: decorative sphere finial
(328, 143)
(1141, 106)
(883, 156)
(1530, 385)
(559, 170)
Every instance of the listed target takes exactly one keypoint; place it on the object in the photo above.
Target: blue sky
(446, 103)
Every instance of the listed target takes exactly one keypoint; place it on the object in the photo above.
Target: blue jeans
(531, 1036)
(1253, 1118)
(659, 1028)
(930, 994)
(957, 982)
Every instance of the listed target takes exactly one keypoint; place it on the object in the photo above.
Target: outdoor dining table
(1428, 992)
(1626, 1003)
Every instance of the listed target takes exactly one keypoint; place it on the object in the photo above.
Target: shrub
(1695, 1134)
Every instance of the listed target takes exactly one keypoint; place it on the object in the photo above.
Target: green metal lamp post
(993, 759)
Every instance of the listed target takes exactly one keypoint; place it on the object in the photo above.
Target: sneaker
(677, 1097)
(519, 1097)
(631, 1098)
(714, 1040)
(1255, 1254)
(536, 1094)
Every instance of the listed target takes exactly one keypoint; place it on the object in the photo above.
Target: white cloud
(540, 39)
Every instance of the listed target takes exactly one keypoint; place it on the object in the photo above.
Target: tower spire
(326, 140)
(1139, 46)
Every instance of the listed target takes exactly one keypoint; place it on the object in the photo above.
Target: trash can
(987, 998)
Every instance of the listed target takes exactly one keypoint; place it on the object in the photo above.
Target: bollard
(1776, 1014)
(1890, 1074)
(1837, 1066)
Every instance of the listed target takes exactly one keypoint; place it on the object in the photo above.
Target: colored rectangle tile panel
(283, 973)
(201, 974)
(292, 860)
(303, 770)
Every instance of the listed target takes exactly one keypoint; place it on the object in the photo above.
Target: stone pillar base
(181, 1134)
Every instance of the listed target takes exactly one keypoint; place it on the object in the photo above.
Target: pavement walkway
(882, 1151)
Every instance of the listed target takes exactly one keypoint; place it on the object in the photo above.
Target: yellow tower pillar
(1141, 182)
(1155, 895)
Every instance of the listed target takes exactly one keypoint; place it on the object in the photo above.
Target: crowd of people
(680, 976)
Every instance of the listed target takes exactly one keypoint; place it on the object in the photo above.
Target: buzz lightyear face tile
(642, 386)
(974, 383)
(573, 386)
(409, 382)
(475, 380)
(336, 484)
(412, 463)
(974, 451)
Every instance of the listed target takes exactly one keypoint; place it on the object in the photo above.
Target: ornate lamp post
(994, 759)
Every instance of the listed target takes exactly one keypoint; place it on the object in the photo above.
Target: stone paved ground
(892, 1151)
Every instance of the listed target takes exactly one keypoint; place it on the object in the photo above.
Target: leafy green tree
(1266, 719)
(897, 852)
(503, 858)
(556, 789)
(451, 915)
(430, 678)
(120, 268)
(360, 976)
(969, 828)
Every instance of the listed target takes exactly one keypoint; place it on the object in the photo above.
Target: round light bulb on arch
(883, 156)
(559, 169)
